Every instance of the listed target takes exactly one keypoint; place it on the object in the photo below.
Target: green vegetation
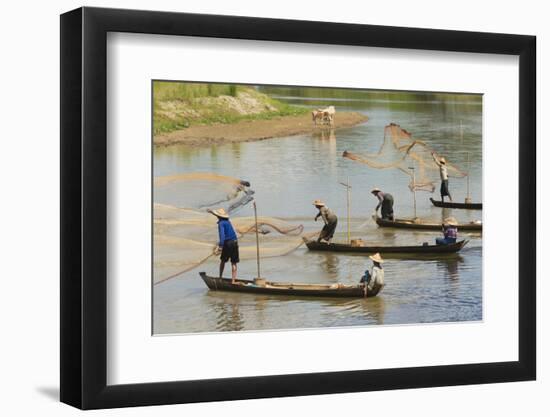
(366, 95)
(166, 90)
(360, 99)
(178, 105)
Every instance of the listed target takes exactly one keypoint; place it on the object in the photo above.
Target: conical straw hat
(442, 160)
(376, 258)
(451, 221)
(375, 190)
(318, 203)
(220, 213)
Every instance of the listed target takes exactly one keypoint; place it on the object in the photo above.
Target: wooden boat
(287, 288)
(342, 247)
(410, 224)
(466, 206)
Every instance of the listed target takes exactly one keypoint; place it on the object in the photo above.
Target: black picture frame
(84, 207)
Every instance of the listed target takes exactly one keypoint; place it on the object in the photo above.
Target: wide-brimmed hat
(375, 190)
(442, 160)
(221, 213)
(376, 258)
(450, 221)
(318, 203)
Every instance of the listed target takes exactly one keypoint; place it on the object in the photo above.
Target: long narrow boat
(287, 288)
(410, 224)
(342, 247)
(466, 206)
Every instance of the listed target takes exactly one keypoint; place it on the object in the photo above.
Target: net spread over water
(411, 156)
(186, 235)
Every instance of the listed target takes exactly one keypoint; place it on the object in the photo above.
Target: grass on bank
(178, 105)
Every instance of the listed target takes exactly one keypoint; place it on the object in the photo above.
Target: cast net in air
(185, 235)
(202, 190)
(401, 151)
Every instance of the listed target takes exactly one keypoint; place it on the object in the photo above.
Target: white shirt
(443, 172)
(376, 277)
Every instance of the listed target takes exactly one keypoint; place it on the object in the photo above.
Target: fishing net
(411, 156)
(186, 236)
(201, 190)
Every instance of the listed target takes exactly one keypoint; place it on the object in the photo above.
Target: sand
(247, 131)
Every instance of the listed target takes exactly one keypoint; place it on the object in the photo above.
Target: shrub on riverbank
(179, 105)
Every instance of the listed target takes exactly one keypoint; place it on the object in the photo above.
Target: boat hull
(465, 206)
(291, 289)
(340, 247)
(409, 224)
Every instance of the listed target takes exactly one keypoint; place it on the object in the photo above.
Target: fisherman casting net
(186, 236)
(411, 156)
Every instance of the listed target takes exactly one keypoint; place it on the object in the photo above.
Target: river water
(287, 174)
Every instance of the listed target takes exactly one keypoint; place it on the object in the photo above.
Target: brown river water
(287, 174)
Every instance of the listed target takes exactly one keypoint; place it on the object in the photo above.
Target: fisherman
(228, 244)
(330, 220)
(385, 200)
(442, 164)
(374, 279)
(450, 232)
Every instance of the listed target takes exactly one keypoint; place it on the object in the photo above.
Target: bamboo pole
(349, 204)
(468, 199)
(257, 238)
(348, 189)
(414, 189)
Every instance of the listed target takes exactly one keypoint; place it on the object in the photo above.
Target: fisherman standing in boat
(450, 232)
(228, 244)
(374, 279)
(442, 164)
(330, 220)
(385, 200)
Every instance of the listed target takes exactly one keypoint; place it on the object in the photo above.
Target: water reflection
(450, 266)
(330, 263)
(260, 311)
(228, 316)
(324, 133)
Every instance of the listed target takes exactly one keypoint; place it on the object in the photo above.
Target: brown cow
(325, 115)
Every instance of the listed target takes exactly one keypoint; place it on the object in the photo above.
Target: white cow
(325, 115)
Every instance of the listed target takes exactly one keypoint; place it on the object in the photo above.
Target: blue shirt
(226, 231)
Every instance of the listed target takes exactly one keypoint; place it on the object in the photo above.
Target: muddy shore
(247, 131)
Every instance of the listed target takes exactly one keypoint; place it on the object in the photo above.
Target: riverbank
(253, 130)
(198, 114)
(178, 106)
